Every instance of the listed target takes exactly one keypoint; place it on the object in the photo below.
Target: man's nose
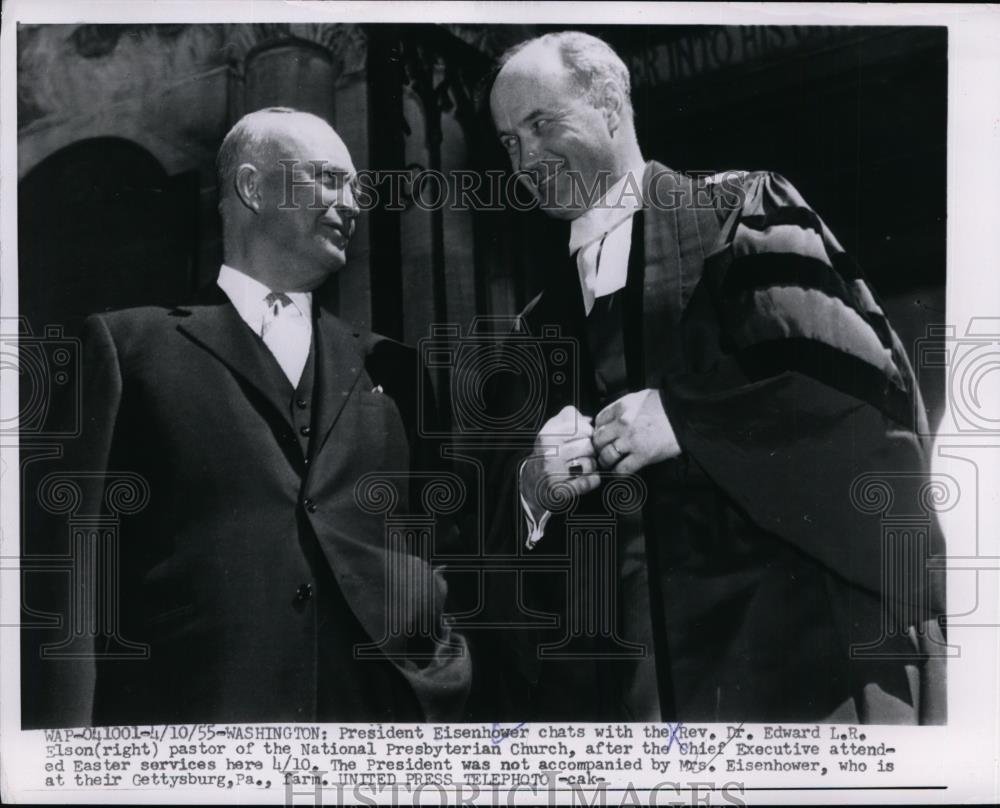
(347, 203)
(530, 155)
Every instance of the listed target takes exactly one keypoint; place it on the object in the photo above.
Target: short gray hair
(243, 141)
(591, 61)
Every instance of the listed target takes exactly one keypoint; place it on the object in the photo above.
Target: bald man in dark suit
(253, 576)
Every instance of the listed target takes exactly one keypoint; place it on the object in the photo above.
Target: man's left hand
(633, 432)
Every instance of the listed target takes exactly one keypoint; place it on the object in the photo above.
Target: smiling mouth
(339, 235)
(549, 178)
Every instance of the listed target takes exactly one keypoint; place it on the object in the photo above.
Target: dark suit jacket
(251, 574)
(743, 311)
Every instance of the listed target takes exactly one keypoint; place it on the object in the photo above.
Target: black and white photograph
(499, 403)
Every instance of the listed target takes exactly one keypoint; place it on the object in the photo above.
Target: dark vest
(301, 406)
(341, 695)
(606, 345)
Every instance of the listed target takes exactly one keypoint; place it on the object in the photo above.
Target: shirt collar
(621, 202)
(248, 296)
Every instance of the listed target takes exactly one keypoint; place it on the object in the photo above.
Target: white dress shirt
(285, 329)
(601, 237)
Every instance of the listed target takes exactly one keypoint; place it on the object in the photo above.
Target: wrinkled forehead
(308, 141)
(533, 79)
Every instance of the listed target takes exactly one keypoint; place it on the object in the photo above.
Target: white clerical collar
(621, 201)
(248, 296)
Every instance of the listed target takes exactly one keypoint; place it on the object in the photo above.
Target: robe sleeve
(798, 395)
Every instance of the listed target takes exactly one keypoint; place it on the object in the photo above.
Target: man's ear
(248, 188)
(613, 106)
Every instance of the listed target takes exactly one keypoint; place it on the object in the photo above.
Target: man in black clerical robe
(732, 358)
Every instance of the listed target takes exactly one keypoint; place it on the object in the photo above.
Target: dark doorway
(100, 227)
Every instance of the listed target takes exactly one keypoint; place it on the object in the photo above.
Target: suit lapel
(339, 362)
(218, 328)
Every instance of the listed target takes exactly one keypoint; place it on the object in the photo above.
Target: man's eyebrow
(333, 171)
(531, 116)
(538, 113)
